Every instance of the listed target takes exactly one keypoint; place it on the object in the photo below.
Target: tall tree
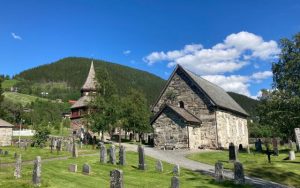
(137, 112)
(280, 108)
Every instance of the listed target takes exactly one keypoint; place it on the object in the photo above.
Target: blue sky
(231, 43)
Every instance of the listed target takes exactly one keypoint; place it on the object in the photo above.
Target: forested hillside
(245, 102)
(64, 78)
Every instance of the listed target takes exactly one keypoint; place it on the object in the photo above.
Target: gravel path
(178, 157)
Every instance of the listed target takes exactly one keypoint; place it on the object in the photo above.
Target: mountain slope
(73, 72)
(245, 102)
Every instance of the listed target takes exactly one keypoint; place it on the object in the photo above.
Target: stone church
(192, 112)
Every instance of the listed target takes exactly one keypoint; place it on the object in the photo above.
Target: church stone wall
(231, 128)
(170, 131)
(195, 102)
(5, 136)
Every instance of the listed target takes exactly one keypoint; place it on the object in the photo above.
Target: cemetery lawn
(32, 152)
(256, 165)
(55, 174)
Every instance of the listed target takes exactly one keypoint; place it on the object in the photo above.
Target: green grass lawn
(55, 174)
(256, 164)
(23, 99)
(7, 84)
(45, 153)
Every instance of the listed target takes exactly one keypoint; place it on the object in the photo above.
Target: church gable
(180, 89)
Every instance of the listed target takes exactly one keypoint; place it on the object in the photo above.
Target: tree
(104, 105)
(136, 112)
(280, 108)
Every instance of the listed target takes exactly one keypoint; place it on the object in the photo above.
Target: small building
(192, 112)
(6, 133)
(80, 107)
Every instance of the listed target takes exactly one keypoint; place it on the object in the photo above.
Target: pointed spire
(90, 83)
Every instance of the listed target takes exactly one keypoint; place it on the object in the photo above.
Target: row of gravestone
(239, 176)
(5, 153)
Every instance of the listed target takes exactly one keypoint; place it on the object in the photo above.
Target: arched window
(181, 104)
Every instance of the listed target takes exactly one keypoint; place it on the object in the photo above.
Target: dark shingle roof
(183, 113)
(5, 123)
(218, 95)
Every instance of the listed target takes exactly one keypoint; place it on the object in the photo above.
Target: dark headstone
(275, 146)
(176, 170)
(258, 145)
(58, 146)
(86, 169)
(122, 155)
(142, 164)
(219, 176)
(232, 152)
(241, 147)
(175, 182)
(102, 153)
(112, 154)
(159, 166)
(15, 155)
(5, 153)
(37, 171)
(73, 168)
(18, 167)
(239, 177)
(51, 145)
(116, 179)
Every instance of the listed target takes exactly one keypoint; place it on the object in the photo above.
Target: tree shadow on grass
(279, 176)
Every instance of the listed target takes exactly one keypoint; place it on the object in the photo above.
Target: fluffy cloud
(15, 36)
(236, 51)
(237, 83)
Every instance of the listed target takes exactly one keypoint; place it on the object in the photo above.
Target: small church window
(181, 104)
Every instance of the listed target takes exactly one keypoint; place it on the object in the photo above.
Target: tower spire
(90, 83)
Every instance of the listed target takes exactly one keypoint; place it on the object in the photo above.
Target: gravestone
(86, 169)
(51, 145)
(219, 176)
(54, 143)
(1, 152)
(37, 171)
(74, 150)
(112, 154)
(116, 179)
(122, 155)
(159, 166)
(73, 168)
(258, 145)
(15, 155)
(232, 152)
(297, 135)
(174, 182)
(275, 146)
(102, 153)
(58, 146)
(241, 147)
(18, 167)
(292, 155)
(142, 165)
(239, 177)
(176, 170)
(5, 153)
(248, 149)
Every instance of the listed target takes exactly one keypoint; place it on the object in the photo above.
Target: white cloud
(15, 36)
(126, 52)
(236, 51)
(262, 75)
